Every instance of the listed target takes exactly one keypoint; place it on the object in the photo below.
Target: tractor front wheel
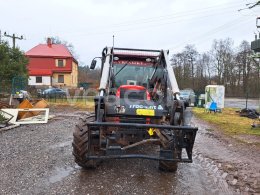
(81, 143)
(169, 166)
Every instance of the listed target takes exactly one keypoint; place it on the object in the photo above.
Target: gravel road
(37, 159)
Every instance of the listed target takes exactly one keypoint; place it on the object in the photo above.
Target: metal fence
(5, 87)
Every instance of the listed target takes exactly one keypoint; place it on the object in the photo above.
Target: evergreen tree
(12, 62)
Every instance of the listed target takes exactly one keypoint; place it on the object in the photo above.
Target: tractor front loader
(138, 104)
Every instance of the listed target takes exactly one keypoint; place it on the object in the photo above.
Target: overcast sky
(149, 24)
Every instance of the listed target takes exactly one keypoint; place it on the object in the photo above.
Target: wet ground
(37, 159)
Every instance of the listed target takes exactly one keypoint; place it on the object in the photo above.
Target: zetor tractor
(138, 104)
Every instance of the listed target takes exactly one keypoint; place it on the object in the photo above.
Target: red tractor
(138, 104)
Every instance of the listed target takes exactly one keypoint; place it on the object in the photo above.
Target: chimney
(49, 42)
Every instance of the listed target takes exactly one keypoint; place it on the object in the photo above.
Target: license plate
(145, 112)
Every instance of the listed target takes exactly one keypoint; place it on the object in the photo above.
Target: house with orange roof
(52, 65)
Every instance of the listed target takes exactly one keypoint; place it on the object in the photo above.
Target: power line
(202, 39)
(156, 21)
(212, 31)
(178, 14)
(157, 24)
(184, 16)
(250, 5)
(13, 37)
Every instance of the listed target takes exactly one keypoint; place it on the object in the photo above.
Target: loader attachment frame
(183, 137)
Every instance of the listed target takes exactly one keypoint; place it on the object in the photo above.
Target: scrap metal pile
(250, 113)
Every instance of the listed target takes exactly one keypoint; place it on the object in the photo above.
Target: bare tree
(221, 65)
(207, 63)
(184, 64)
(203, 71)
(191, 55)
(178, 63)
(222, 56)
(244, 65)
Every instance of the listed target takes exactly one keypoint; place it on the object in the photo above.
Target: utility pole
(113, 40)
(13, 37)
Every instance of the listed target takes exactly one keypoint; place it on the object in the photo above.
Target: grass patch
(229, 121)
(87, 104)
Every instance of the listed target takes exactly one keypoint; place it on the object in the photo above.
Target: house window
(60, 78)
(60, 63)
(38, 79)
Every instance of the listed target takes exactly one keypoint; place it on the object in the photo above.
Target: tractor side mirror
(93, 64)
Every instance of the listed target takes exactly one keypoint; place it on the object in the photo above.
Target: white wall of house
(46, 80)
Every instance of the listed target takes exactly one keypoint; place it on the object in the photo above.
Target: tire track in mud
(213, 169)
(207, 165)
(201, 177)
(232, 164)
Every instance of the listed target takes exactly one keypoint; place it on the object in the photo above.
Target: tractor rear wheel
(81, 143)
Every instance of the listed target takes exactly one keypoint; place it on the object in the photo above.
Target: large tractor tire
(169, 166)
(81, 143)
(176, 119)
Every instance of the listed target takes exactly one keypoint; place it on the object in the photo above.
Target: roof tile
(57, 50)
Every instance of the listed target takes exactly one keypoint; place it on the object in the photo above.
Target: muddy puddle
(140, 177)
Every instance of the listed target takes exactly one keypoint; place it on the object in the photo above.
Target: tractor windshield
(132, 74)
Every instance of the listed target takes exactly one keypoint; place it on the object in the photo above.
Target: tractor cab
(139, 69)
(132, 72)
(136, 86)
